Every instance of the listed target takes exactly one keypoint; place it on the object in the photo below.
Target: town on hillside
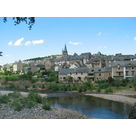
(79, 67)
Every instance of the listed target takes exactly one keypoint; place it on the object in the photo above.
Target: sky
(109, 35)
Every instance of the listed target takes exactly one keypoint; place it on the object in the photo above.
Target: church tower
(65, 52)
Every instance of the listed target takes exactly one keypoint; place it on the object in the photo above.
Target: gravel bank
(38, 113)
(22, 93)
(113, 97)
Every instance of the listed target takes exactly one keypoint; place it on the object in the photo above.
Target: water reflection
(91, 106)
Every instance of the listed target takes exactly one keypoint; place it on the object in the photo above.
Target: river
(91, 106)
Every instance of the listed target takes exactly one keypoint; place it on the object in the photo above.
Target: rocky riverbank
(38, 112)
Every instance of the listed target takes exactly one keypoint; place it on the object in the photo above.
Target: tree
(17, 20)
(134, 82)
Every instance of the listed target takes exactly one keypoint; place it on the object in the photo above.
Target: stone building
(17, 66)
(123, 69)
(82, 73)
(49, 64)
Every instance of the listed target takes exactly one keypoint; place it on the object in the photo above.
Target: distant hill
(41, 58)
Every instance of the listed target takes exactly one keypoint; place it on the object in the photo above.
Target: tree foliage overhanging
(17, 20)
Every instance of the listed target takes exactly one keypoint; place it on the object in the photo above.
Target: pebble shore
(38, 112)
(114, 97)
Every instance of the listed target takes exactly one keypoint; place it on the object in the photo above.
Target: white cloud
(134, 38)
(74, 43)
(99, 34)
(10, 43)
(19, 42)
(28, 43)
(37, 42)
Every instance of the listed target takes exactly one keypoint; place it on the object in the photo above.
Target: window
(126, 73)
(79, 78)
(132, 67)
(99, 74)
(90, 74)
(133, 72)
(118, 66)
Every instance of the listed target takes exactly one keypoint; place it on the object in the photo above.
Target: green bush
(11, 78)
(43, 86)
(26, 86)
(98, 89)
(27, 102)
(108, 90)
(88, 85)
(35, 97)
(34, 80)
(34, 86)
(11, 86)
(17, 105)
(133, 80)
(45, 104)
(4, 99)
(14, 95)
(46, 107)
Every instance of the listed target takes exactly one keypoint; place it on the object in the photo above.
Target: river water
(91, 106)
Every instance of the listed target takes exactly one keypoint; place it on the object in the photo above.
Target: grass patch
(45, 104)
(4, 99)
(18, 102)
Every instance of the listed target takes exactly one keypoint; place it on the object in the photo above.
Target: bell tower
(65, 52)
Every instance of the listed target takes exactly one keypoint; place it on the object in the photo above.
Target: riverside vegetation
(18, 102)
(48, 82)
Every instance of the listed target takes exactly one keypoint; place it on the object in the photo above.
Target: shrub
(108, 90)
(45, 104)
(46, 107)
(34, 86)
(4, 99)
(33, 80)
(26, 86)
(35, 97)
(98, 89)
(11, 78)
(14, 95)
(27, 103)
(134, 82)
(11, 86)
(81, 88)
(43, 86)
(88, 85)
(17, 105)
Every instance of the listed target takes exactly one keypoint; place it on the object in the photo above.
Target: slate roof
(83, 70)
(86, 55)
(69, 58)
(124, 63)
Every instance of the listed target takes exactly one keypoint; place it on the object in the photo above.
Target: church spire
(65, 49)
(65, 52)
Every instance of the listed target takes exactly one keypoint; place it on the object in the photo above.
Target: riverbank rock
(132, 114)
(38, 112)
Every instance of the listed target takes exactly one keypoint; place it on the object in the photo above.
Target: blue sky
(48, 36)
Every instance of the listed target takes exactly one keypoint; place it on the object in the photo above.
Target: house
(17, 66)
(83, 73)
(123, 69)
